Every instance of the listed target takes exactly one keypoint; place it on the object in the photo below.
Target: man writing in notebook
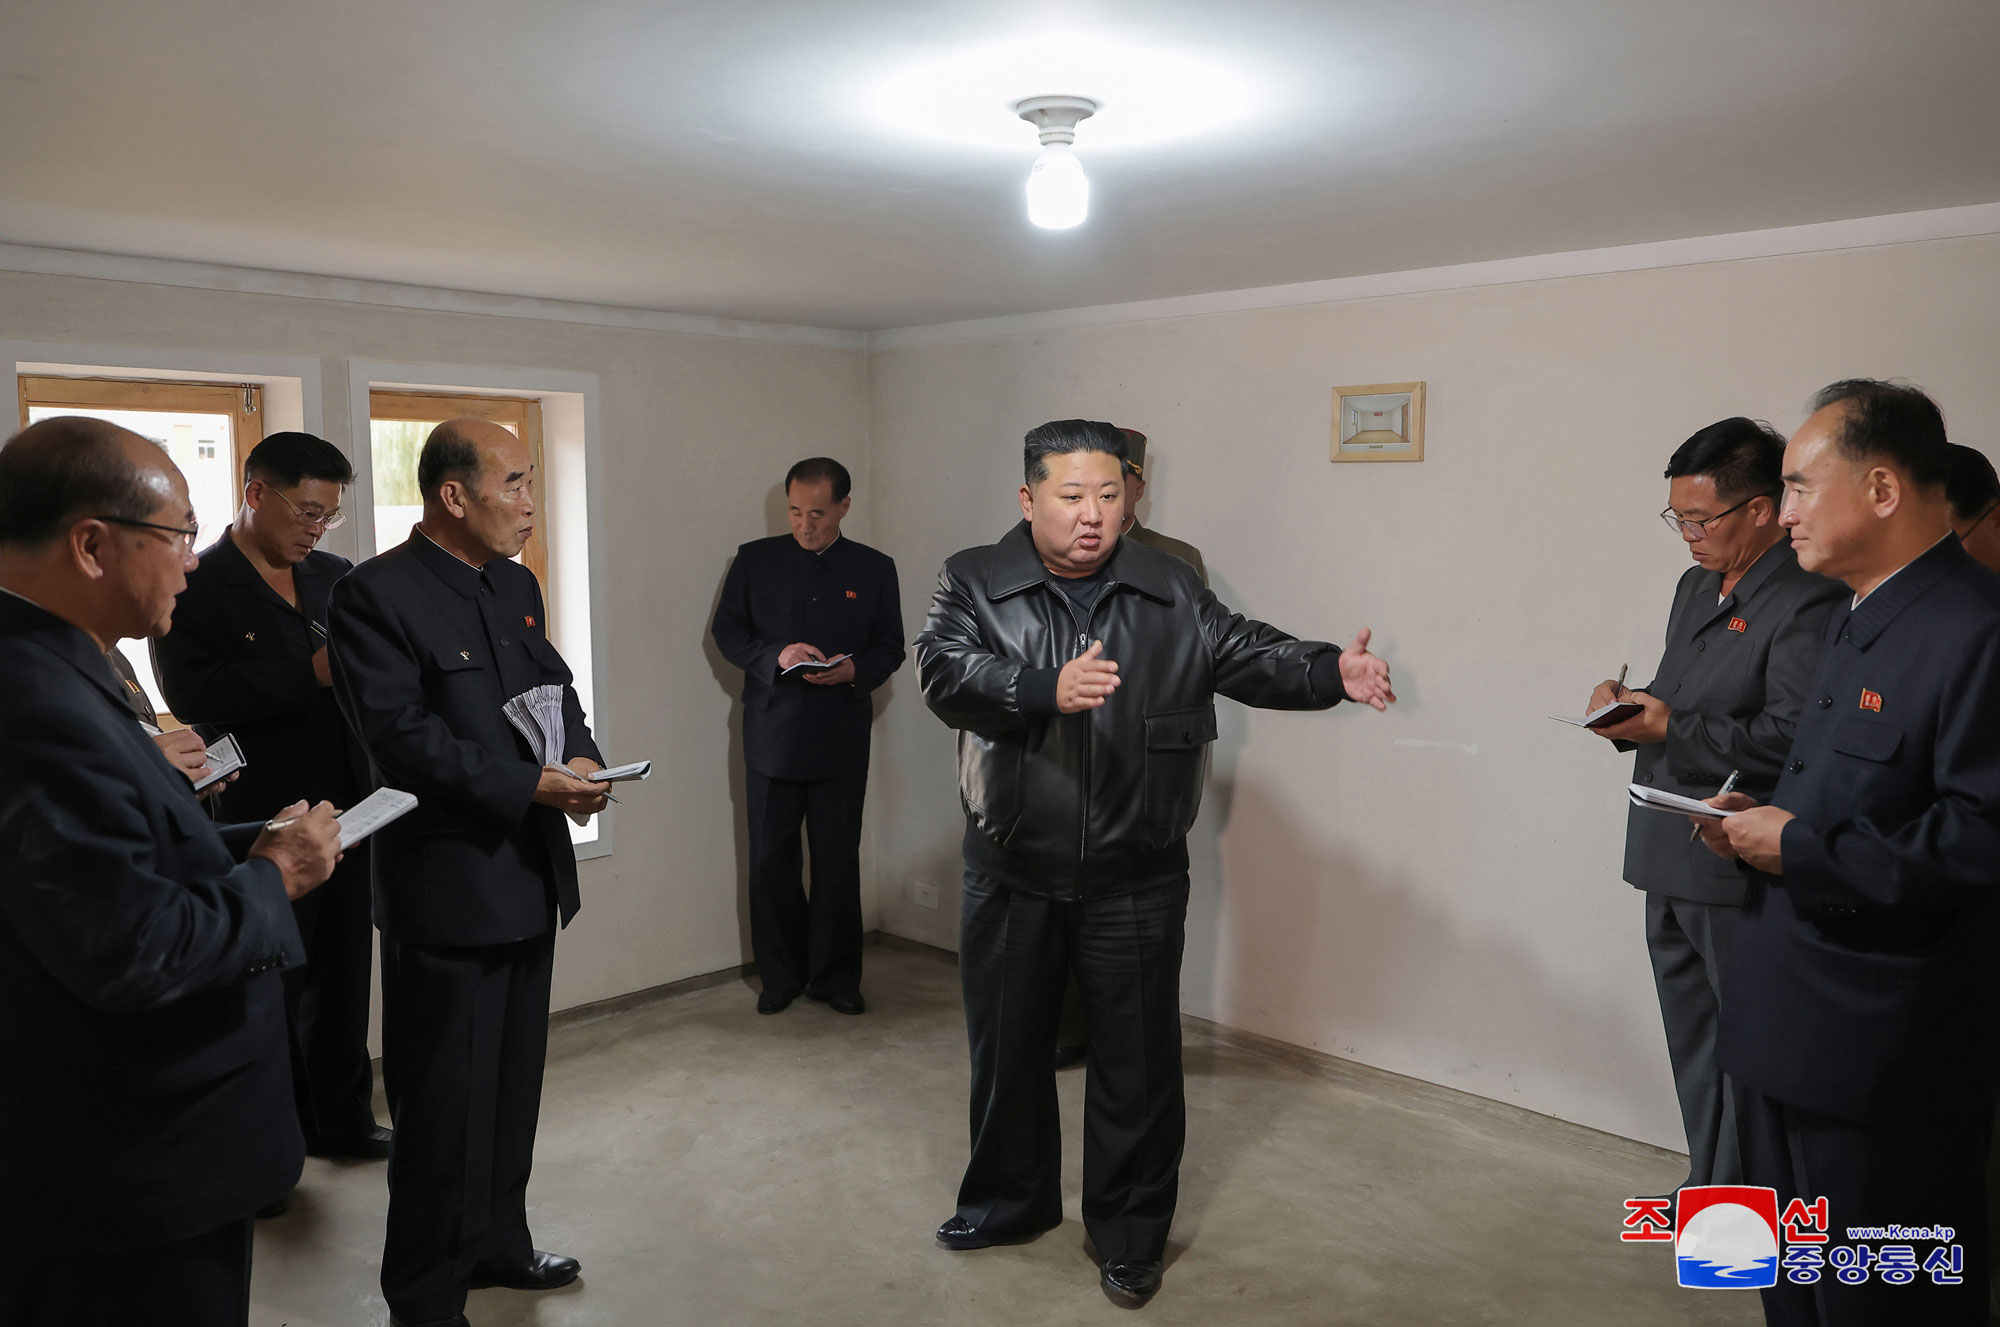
(430, 641)
(1743, 637)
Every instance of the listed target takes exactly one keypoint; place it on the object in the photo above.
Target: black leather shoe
(459, 1321)
(775, 1002)
(961, 1236)
(851, 1003)
(1131, 1283)
(371, 1144)
(542, 1271)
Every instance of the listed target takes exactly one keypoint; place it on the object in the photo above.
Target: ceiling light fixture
(1058, 190)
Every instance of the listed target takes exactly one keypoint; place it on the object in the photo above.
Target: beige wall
(697, 432)
(1435, 891)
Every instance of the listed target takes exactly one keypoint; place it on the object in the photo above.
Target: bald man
(429, 641)
(148, 1111)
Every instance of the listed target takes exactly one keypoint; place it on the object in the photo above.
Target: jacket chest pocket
(458, 668)
(1864, 739)
(1176, 758)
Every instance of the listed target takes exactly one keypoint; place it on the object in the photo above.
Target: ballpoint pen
(1728, 787)
(1620, 684)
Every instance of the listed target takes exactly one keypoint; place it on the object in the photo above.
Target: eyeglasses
(325, 520)
(187, 533)
(1680, 525)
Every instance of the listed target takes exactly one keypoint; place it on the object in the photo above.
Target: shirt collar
(446, 565)
(1856, 601)
(1871, 616)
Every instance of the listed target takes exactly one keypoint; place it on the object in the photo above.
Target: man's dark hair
(1062, 437)
(1890, 421)
(1972, 487)
(285, 459)
(1745, 458)
(816, 468)
(56, 472)
(447, 454)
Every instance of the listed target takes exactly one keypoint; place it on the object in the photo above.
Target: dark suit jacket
(239, 660)
(1166, 543)
(1861, 984)
(142, 1019)
(843, 600)
(1736, 674)
(426, 651)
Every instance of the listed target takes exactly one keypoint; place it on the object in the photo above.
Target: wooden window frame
(523, 412)
(242, 402)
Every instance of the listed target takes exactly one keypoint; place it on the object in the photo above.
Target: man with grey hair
(141, 1010)
(1081, 673)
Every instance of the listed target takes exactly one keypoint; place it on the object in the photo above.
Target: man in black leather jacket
(1081, 674)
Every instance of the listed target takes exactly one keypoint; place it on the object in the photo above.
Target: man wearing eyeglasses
(147, 1111)
(1743, 639)
(247, 655)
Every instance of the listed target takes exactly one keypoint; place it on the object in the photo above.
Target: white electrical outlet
(925, 895)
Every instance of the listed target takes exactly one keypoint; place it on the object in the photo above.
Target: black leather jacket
(1101, 801)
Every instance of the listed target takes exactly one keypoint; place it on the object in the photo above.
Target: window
(206, 428)
(398, 423)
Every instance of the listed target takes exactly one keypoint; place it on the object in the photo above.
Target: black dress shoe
(961, 1236)
(1131, 1283)
(458, 1321)
(775, 1002)
(850, 1003)
(542, 1271)
(371, 1144)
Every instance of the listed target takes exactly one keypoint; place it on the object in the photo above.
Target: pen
(1728, 786)
(1622, 670)
(281, 824)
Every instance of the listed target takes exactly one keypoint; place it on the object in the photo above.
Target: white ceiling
(853, 163)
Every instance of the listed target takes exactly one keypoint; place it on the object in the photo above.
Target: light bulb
(1058, 190)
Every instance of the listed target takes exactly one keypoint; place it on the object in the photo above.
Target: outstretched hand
(1365, 676)
(1086, 681)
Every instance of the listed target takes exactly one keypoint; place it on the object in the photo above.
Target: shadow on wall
(1322, 949)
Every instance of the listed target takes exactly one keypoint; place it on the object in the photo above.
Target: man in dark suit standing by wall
(1743, 639)
(430, 640)
(247, 655)
(1860, 1025)
(809, 597)
(148, 1110)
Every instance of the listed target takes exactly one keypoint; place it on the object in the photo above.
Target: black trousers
(198, 1282)
(465, 1032)
(806, 942)
(1015, 952)
(326, 1006)
(1689, 945)
(1925, 1169)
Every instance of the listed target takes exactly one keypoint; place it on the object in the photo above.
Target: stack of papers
(538, 714)
(1652, 799)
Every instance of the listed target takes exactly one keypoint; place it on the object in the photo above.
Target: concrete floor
(710, 1166)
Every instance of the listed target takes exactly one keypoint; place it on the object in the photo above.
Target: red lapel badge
(1871, 700)
(852, 595)
(528, 618)
(1738, 624)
